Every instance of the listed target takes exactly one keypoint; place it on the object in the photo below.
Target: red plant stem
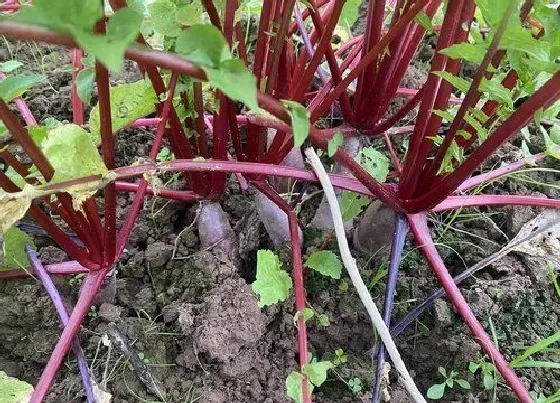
(371, 56)
(419, 143)
(107, 146)
(63, 269)
(60, 237)
(400, 114)
(473, 94)
(134, 209)
(544, 97)
(90, 286)
(457, 202)
(374, 22)
(77, 104)
(302, 83)
(496, 173)
(308, 46)
(220, 137)
(212, 12)
(419, 226)
(297, 273)
(394, 157)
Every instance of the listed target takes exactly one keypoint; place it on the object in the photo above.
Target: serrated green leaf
(436, 391)
(317, 371)
(10, 65)
(84, 84)
(235, 81)
(335, 142)
(494, 90)
(128, 103)
(460, 83)
(163, 15)
(352, 204)
(426, 22)
(294, 388)
(13, 87)
(446, 115)
(376, 163)
(272, 284)
(14, 242)
(203, 45)
(472, 52)
(300, 121)
(326, 263)
(13, 390)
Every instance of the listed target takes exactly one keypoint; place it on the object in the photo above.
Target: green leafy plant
(437, 390)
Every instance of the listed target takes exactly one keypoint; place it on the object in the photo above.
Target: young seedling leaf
(335, 142)
(12, 390)
(317, 371)
(307, 312)
(13, 87)
(352, 204)
(128, 103)
(14, 242)
(272, 284)
(294, 388)
(326, 263)
(300, 121)
(463, 383)
(436, 391)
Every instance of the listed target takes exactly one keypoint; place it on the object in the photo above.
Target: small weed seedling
(437, 390)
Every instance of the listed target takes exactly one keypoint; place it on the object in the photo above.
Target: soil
(190, 313)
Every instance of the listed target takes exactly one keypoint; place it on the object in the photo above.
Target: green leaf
(13, 206)
(463, 383)
(488, 381)
(496, 91)
(272, 284)
(317, 371)
(18, 180)
(68, 143)
(326, 263)
(376, 163)
(352, 204)
(460, 83)
(13, 87)
(203, 45)
(13, 390)
(467, 51)
(350, 12)
(422, 19)
(10, 65)
(128, 103)
(335, 142)
(72, 143)
(552, 149)
(3, 129)
(473, 367)
(536, 348)
(164, 17)
(235, 81)
(300, 121)
(84, 84)
(436, 391)
(190, 14)
(294, 388)
(14, 242)
(308, 313)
